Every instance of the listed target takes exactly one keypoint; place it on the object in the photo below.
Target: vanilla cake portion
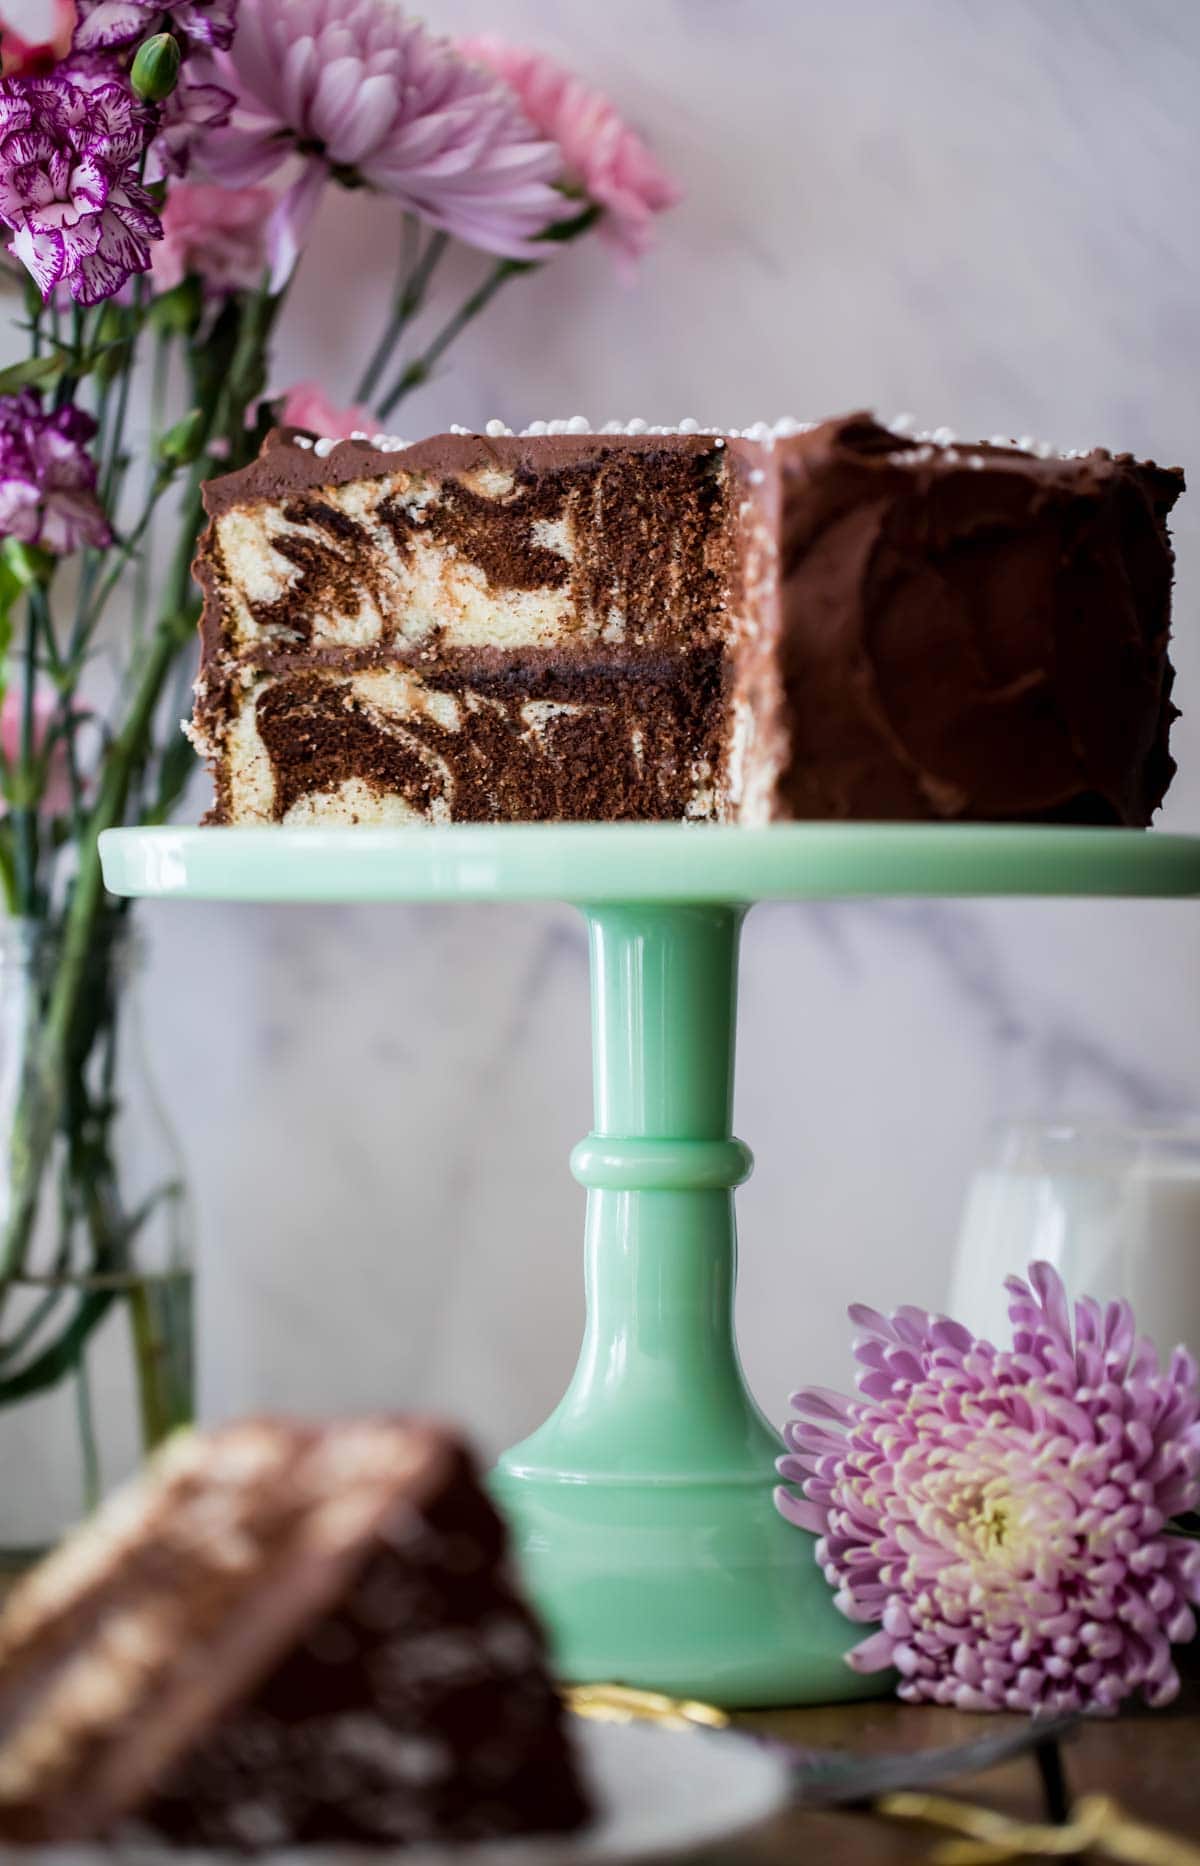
(835, 621)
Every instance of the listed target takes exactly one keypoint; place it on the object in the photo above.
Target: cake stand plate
(642, 1510)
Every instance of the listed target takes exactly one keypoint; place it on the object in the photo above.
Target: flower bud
(183, 443)
(155, 70)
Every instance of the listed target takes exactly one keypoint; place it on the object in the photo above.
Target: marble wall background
(983, 214)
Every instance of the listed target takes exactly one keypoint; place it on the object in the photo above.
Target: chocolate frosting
(974, 634)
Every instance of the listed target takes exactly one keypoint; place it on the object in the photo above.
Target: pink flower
(307, 406)
(27, 58)
(1004, 1514)
(219, 234)
(354, 91)
(603, 156)
(56, 797)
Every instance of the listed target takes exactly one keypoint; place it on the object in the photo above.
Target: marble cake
(838, 621)
(285, 1634)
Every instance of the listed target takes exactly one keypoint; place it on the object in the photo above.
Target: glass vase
(96, 1317)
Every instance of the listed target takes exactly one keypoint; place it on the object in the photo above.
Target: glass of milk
(1115, 1208)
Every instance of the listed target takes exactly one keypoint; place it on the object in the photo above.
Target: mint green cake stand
(642, 1510)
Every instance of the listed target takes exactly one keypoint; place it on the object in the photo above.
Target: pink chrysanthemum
(1004, 1514)
(604, 158)
(356, 91)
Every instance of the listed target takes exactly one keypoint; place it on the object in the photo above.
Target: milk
(1117, 1212)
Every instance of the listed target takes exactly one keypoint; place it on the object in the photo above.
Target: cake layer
(841, 622)
(532, 737)
(447, 551)
(285, 1634)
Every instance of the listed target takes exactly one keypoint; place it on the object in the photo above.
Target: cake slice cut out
(284, 1634)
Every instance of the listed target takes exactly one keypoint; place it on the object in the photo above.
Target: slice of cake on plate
(839, 622)
(283, 1634)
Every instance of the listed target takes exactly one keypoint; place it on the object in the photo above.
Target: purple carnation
(47, 477)
(1004, 1514)
(195, 106)
(70, 144)
(103, 24)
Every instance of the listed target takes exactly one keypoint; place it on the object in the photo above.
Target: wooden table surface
(1149, 1761)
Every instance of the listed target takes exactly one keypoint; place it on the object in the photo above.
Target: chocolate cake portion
(835, 622)
(285, 1634)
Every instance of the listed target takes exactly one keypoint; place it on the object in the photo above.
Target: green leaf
(21, 565)
(27, 564)
(11, 587)
(36, 372)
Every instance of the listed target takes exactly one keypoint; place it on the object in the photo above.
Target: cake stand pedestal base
(642, 1511)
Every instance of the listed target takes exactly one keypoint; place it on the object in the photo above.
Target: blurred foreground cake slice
(283, 1634)
(833, 622)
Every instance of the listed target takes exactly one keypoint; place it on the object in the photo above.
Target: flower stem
(160, 376)
(422, 366)
(151, 1365)
(87, 1433)
(416, 278)
(560, 233)
(110, 485)
(121, 556)
(25, 805)
(37, 1114)
(38, 1111)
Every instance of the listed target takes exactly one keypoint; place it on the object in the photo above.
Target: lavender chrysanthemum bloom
(70, 144)
(1003, 1514)
(102, 25)
(354, 91)
(47, 477)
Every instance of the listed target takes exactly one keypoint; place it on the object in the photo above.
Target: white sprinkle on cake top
(765, 433)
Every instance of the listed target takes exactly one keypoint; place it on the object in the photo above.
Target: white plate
(663, 1795)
